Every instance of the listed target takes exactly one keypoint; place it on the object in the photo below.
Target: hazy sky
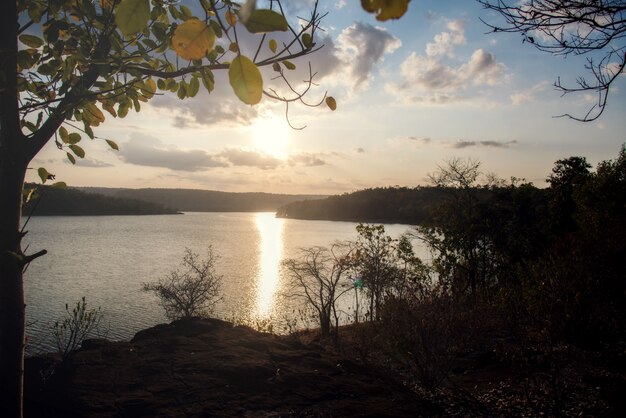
(411, 94)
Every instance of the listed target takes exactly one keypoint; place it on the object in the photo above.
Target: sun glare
(271, 136)
(271, 233)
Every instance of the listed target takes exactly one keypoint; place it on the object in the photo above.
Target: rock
(210, 368)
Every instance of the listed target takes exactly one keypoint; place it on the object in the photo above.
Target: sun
(271, 136)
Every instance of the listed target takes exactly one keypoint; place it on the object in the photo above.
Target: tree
(192, 292)
(316, 277)
(64, 63)
(594, 28)
(375, 263)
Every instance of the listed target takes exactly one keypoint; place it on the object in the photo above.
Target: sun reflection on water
(271, 251)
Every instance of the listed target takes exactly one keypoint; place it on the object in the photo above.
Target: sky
(411, 94)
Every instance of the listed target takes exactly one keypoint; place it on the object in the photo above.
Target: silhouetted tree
(595, 28)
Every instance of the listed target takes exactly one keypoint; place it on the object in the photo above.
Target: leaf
(59, 185)
(43, 174)
(233, 47)
(194, 86)
(276, 67)
(71, 158)
(78, 151)
(331, 103)
(92, 115)
(231, 18)
(273, 45)
(63, 134)
(132, 16)
(261, 21)
(193, 39)
(289, 65)
(246, 80)
(386, 9)
(73, 138)
(31, 41)
(112, 144)
(307, 40)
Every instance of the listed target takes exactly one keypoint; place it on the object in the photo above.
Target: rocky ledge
(209, 368)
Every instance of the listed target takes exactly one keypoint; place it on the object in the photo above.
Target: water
(107, 258)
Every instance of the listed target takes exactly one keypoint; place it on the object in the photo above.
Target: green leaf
(276, 67)
(43, 174)
(112, 144)
(273, 45)
(246, 80)
(78, 151)
(71, 158)
(73, 138)
(59, 185)
(63, 134)
(194, 86)
(261, 21)
(31, 41)
(307, 40)
(289, 65)
(132, 16)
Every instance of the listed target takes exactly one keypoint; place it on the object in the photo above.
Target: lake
(107, 258)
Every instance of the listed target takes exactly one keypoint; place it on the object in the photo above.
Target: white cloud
(340, 4)
(351, 61)
(528, 95)
(438, 78)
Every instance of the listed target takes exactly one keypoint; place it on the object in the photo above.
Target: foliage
(593, 28)
(50, 201)
(77, 325)
(318, 277)
(192, 292)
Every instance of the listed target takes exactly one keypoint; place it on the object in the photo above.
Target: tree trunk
(12, 308)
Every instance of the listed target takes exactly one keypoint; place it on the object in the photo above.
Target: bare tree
(595, 28)
(192, 292)
(316, 277)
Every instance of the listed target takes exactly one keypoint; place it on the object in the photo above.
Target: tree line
(542, 267)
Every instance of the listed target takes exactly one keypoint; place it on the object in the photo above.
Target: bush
(75, 327)
(192, 292)
(426, 335)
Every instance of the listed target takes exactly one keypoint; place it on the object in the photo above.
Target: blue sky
(411, 94)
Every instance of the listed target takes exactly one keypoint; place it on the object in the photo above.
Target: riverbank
(211, 368)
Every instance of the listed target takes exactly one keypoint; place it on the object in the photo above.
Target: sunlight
(271, 136)
(271, 249)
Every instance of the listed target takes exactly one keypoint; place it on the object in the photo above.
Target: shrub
(77, 325)
(192, 292)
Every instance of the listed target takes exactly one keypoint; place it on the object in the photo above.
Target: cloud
(206, 110)
(494, 144)
(307, 160)
(340, 4)
(362, 46)
(438, 78)
(149, 151)
(250, 158)
(360, 150)
(88, 162)
(417, 139)
(528, 95)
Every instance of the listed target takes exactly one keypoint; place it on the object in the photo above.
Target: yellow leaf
(132, 16)
(92, 115)
(231, 18)
(273, 45)
(289, 65)
(246, 80)
(193, 39)
(386, 9)
(331, 103)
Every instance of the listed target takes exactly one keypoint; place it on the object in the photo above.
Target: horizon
(411, 94)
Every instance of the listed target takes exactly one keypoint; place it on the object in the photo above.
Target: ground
(206, 368)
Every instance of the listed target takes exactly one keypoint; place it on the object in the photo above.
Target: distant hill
(191, 200)
(49, 201)
(389, 204)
